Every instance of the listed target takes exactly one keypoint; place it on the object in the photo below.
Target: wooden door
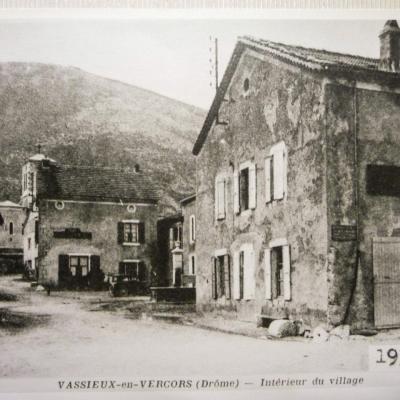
(386, 264)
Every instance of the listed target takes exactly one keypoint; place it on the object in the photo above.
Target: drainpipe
(356, 203)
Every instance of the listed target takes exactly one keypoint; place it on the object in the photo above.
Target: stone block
(320, 335)
(282, 328)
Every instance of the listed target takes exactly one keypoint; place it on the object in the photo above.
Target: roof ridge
(93, 167)
(270, 42)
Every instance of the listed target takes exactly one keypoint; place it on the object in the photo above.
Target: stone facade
(12, 217)
(305, 253)
(85, 222)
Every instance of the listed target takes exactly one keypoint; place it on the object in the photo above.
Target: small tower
(29, 177)
(390, 47)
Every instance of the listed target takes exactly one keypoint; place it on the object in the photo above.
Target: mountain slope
(83, 119)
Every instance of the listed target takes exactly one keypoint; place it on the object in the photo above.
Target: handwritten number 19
(391, 354)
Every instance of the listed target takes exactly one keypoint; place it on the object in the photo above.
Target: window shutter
(63, 269)
(121, 268)
(268, 192)
(36, 232)
(279, 170)
(171, 238)
(120, 233)
(236, 203)
(252, 186)
(268, 274)
(236, 273)
(95, 263)
(227, 276)
(241, 275)
(142, 271)
(142, 235)
(249, 281)
(214, 277)
(287, 292)
(216, 200)
(221, 198)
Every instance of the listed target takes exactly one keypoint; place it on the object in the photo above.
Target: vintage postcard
(197, 205)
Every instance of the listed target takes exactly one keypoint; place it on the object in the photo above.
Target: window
(29, 243)
(36, 232)
(244, 273)
(79, 265)
(220, 198)
(135, 269)
(278, 271)
(244, 185)
(276, 173)
(192, 228)
(131, 232)
(246, 84)
(192, 265)
(221, 276)
(383, 180)
(175, 236)
(11, 228)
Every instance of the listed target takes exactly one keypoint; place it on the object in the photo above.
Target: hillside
(83, 119)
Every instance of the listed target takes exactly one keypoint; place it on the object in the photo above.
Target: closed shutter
(236, 202)
(287, 292)
(236, 277)
(142, 273)
(249, 281)
(227, 276)
(278, 173)
(252, 186)
(213, 278)
(142, 234)
(120, 232)
(268, 191)
(268, 274)
(95, 263)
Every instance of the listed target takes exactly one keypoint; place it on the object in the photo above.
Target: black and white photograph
(214, 198)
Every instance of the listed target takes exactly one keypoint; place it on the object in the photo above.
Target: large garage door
(386, 259)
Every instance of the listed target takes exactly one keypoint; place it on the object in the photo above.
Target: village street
(74, 341)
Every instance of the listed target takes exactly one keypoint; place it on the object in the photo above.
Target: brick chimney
(390, 47)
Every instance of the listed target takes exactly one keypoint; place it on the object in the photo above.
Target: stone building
(298, 199)
(12, 217)
(188, 207)
(84, 222)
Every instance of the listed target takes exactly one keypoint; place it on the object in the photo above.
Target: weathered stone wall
(281, 104)
(17, 217)
(370, 118)
(189, 248)
(101, 219)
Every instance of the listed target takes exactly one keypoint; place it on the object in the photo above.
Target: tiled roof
(95, 184)
(312, 58)
(320, 61)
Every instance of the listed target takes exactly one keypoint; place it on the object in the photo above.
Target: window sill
(128, 244)
(246, 213)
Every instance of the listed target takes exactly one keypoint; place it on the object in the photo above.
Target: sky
(170, 57)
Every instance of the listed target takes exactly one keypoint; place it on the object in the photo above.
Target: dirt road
(74, 341)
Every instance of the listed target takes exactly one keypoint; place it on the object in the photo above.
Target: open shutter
(95, 263)
(236, 273)
(142, 273)
(221, 198)
(252, 186)
(268, 274)
(268, 191)
(241, 274)
(121, 268)
(227, 276)
(236, 203)
(213, 278)
(142, 235)
(63, 268)
(120, 232)
(249, 281)
(287, 292)
(278, 173)
(216, 200)
(171, 238)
